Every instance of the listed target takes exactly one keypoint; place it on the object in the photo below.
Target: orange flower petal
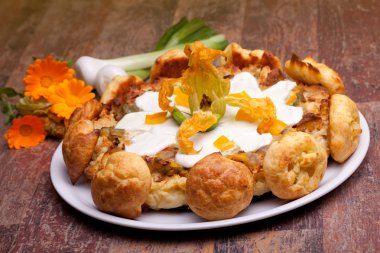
(200, 121)
(44, 73)
(62, 110)
(69, 95)
(156, 118)
(223, 143)
(25, 132)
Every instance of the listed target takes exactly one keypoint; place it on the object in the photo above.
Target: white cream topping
(150, 139)
(148, 102)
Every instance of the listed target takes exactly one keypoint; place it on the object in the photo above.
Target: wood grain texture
(344, 34)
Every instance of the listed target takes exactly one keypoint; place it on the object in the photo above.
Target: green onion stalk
(98, 72)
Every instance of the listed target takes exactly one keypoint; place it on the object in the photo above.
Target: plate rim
(354, 161)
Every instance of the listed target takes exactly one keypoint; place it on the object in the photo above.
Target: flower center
(46, 81)
(26, 130)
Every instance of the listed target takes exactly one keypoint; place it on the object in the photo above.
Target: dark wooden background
(343, 33)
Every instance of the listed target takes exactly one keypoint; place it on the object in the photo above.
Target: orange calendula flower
(25, 132)
(44, 73)
(69, 95)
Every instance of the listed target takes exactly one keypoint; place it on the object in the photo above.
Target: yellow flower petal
(69, 95)
(199, 122)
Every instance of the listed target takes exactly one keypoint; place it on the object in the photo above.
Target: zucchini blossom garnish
(206, 90)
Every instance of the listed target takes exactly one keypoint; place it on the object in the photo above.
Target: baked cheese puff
(77, 148)
(294, 165)
(122, 185)
(218, 188)
(344, 127)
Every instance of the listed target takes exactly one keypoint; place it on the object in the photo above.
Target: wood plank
(7, 236)
(19, 20)
(226, 17)
(304, 240)
(133, 27)
(33, 218)
(49, 37)
(349, 42)
(19, 175)
(283, 27)
(351, 220)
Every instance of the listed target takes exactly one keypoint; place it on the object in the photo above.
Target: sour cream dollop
(150, 139)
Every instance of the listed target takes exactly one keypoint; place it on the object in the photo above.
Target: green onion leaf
(189, 28)
(142, 73)
(203, 33)
(169, 33)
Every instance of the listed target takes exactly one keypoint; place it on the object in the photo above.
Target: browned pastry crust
(121, 93)
(219, 188)
(90, 110)
(78, 145)
(314, 100)
(310, 72)
(122, 185)
(170, 65)
(294, 165)
(242, 58)
(254, 161)
(344, 127)
(262, 64)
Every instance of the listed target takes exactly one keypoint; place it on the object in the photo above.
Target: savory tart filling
(228, 121)
(149, 139)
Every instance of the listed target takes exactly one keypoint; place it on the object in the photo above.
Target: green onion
(183, 32)
(188, 29)
(175, 37)
(178, 116)
(169, 33)
(142, 73)
(203, 33)
(142, 61)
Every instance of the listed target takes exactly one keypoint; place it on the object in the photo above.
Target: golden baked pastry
(310, 72)
(261, 186)
(119, 97)
(344, 127)
(90, 110)
(116, 86)
(122, 185)
(167, 194)
(242, 58)
(170, 65)
(254, 161)
(77, 148)
(262, 64)
(294, 165)
(219, 188)
(314, 100)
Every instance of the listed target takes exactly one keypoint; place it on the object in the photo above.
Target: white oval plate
(79, 197)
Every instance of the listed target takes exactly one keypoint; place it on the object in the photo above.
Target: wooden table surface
(343, 33)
